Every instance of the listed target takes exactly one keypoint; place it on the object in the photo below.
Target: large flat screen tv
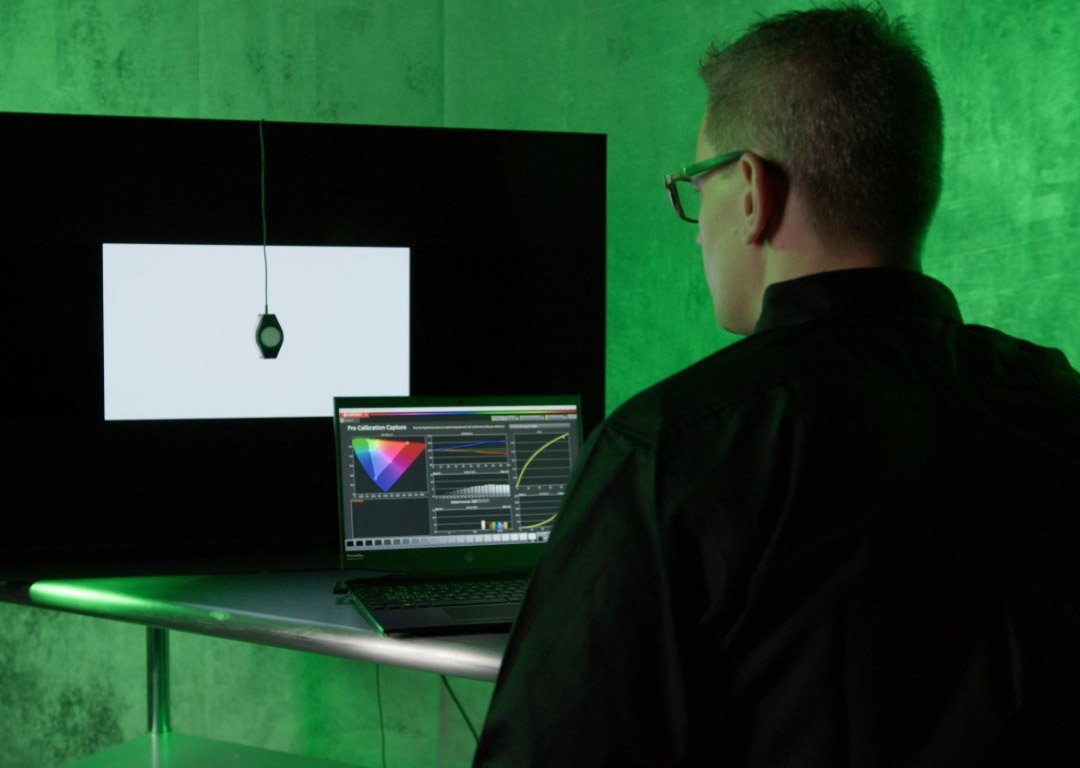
(144, 430)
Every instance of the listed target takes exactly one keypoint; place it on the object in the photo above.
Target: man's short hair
(843, 101)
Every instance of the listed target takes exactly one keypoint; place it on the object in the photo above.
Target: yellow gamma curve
(521, 474)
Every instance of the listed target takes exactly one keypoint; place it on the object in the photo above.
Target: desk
(290, 610)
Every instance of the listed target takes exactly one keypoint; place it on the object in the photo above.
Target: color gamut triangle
(385, 461)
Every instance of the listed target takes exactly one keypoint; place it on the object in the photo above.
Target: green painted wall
(1003, 239)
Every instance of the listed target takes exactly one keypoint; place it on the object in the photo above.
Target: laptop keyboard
(379, 597)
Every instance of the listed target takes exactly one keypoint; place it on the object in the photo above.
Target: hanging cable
(378, 699)
(461, 709)
(268, 335)
(262, 186)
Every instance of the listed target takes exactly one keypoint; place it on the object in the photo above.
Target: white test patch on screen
(179, 329)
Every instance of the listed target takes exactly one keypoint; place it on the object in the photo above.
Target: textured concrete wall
(1003, 239)
(71, 686)
(357, 61)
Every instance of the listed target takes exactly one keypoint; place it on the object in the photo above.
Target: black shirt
(851, 538)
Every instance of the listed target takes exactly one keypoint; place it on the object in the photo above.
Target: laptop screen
(419, 475)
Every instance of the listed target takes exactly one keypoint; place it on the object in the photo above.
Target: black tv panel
(506, 237)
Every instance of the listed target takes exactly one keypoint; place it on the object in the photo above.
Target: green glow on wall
(1003, 239)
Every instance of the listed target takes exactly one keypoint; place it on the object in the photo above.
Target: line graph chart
(541, 464)
(537, 511)
(541, 460)
(454, 450)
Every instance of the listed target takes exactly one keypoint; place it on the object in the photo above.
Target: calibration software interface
(450, 476)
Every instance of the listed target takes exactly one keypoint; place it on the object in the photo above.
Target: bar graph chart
(470, 483)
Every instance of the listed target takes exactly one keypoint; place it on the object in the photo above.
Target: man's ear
(761, 200)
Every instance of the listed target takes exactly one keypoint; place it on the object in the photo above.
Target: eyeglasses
(685, 196)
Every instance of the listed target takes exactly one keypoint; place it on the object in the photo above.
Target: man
(851, 538)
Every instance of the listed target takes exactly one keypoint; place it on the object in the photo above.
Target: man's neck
(789, 265)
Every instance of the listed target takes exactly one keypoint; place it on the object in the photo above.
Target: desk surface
(291, 610)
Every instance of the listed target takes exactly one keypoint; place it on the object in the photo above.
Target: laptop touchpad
(484, 613)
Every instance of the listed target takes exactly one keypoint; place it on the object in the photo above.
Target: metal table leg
(157, 680)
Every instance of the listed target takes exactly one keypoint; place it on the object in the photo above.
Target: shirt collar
(855, 292)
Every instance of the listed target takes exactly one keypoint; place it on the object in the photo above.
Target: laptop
(440, 498)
